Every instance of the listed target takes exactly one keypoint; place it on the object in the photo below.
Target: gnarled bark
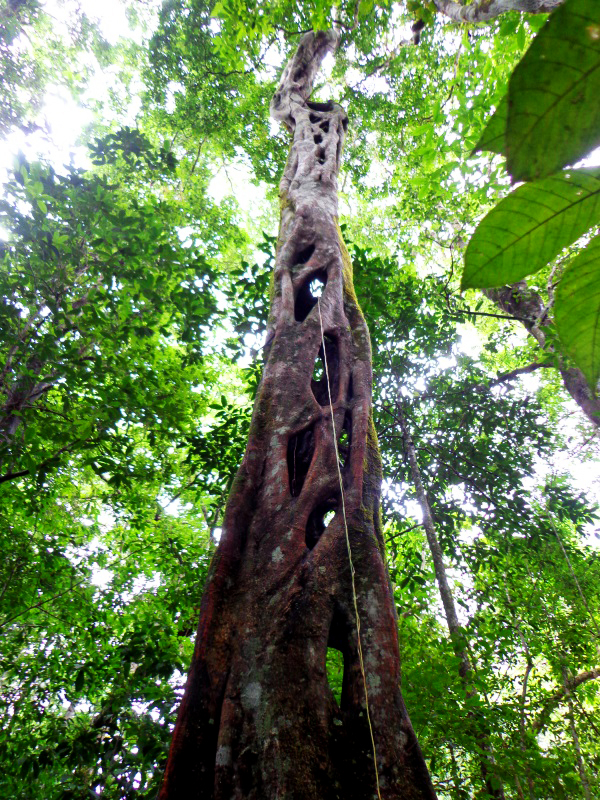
(258, 718)
(526, 305)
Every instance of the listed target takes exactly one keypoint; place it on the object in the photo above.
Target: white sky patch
(174, 508)
(470, 340)
(325, 90)
(142, 584)
(446, 362)
(110, 15)
(236, 179)
(591, 160)
(106, 519)
(102, 578)
(173, 88)
(62, 118)
(530, 382)
(61, 121)
(274, 126)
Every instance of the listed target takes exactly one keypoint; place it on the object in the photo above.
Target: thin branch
(11, 476)
(486, 314)
(70, 588)
(403, 531)
(558, 696)
(502, 377)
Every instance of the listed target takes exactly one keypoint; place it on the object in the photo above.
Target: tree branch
(505, 377)
(554, 700)
(11, 476)
(485, 10)
(527, 305)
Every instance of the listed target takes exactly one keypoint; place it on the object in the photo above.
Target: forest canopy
(138, 221)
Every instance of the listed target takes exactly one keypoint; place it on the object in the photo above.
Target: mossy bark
(258, 719)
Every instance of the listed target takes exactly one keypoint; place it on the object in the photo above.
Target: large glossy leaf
(577, 311)
(530, 227)
(554, 94)
(493, 137)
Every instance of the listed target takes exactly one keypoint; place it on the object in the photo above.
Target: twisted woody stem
(258, 718)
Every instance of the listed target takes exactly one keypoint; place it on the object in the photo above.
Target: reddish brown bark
(258, 718)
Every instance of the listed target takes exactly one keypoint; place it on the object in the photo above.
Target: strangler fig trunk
(258, 719)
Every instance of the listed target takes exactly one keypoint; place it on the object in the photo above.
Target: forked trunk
(258, 719)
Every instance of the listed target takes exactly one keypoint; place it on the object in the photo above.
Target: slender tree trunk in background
(585, 784)
(523, 697)
(492, 782)
(258, 718)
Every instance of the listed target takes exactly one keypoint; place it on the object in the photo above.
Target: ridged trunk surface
(258, 720)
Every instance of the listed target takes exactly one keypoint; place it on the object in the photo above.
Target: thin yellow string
(359, 645)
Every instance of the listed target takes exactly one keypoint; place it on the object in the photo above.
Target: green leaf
(577, 311)
(554, 94)
(493, 137)
(530, 227)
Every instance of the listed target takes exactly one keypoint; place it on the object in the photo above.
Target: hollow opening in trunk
(303, 255)
(300, 451)
(336, 663)
(318, 383)
(319, 519)
(308, 293)
(334, 666)
(345, 440)
(315, 106)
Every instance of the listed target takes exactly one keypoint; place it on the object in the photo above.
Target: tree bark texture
(258, 718)
(485, 10)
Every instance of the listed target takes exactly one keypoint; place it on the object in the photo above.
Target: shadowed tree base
(258, 719)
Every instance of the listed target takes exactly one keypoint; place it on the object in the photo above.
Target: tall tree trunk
(585, 784)
(258, 718)
(493, 784)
